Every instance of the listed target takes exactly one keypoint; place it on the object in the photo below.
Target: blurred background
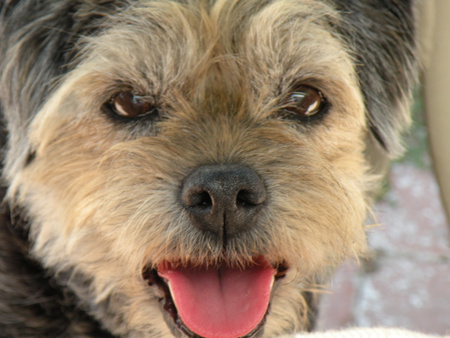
(406, 280)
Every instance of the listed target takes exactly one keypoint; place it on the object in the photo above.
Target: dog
(190, 168)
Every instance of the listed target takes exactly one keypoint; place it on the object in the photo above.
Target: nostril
(197, 198)
(242, 199)
(204, 200)
(246, 198)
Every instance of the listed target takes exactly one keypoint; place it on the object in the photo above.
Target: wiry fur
(99, 197)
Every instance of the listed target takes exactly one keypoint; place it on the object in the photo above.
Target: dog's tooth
(159, 293)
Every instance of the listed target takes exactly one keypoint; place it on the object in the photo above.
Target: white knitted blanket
(365, 333)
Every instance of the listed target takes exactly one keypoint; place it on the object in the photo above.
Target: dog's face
(201, 164)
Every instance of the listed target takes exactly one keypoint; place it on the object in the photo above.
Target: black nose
(224, 199)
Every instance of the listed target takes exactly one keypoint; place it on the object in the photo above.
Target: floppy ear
(382, 36)
(38, 44)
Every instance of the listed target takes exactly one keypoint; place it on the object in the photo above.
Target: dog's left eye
(305, 102)
(128, 105)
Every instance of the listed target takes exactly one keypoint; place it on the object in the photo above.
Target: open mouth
(215, 301)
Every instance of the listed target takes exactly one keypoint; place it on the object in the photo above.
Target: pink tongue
(222, 303)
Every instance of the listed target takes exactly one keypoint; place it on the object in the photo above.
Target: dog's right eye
(128, 105)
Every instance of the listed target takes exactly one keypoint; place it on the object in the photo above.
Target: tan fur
(221, 84)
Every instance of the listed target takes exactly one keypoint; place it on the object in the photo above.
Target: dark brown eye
(305, 101)
(126, 104)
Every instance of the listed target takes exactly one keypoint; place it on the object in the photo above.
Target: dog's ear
(382, 36)
(38, 44)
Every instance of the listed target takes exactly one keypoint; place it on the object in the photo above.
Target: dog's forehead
(161, 46)
(237, 59)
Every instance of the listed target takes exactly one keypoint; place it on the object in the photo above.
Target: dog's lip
(171, 313)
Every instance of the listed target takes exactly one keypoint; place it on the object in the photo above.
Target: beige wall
(437, 94)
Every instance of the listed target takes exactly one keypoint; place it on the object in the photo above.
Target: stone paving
(406, 282)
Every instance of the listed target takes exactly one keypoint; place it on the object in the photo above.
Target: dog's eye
(126, 104)
(305, 102)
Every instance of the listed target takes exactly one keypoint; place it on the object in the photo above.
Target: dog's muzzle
(221, 299)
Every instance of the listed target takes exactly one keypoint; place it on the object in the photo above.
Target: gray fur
(382, 36)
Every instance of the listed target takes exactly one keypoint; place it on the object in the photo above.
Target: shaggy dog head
(201, 165)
